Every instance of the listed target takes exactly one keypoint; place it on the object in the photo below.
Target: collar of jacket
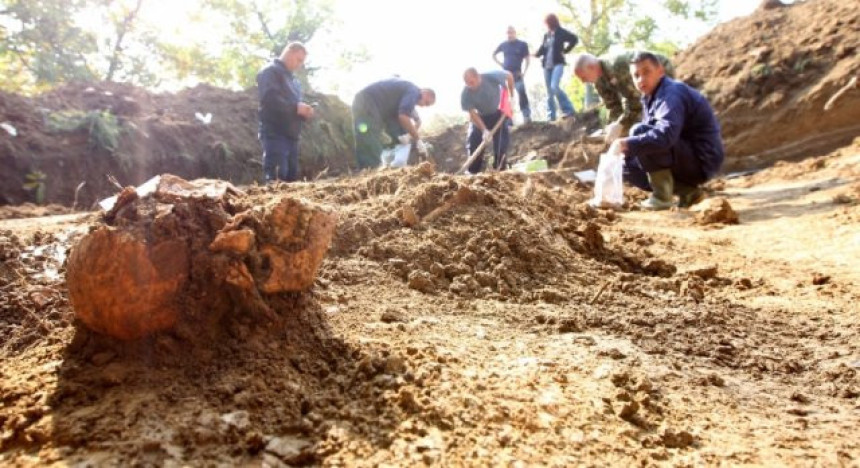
(281, 67)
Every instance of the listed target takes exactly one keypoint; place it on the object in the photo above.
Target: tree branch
(122, 30)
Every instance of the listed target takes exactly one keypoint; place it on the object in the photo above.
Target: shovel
(482, 145)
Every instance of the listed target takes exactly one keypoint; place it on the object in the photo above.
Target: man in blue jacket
(677, 146)
(282, 113)
(387, 106)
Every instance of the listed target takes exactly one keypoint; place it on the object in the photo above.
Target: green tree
(42, 43)
(254, 31)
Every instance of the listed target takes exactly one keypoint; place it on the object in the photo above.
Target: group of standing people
(672, 150)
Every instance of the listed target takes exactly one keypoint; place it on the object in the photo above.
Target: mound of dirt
(83, 132)
(561, 144)
(770, 74)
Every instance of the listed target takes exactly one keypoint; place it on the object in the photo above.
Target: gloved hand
(422, 148)
(487, 136)
(612, 132)
(405, 138)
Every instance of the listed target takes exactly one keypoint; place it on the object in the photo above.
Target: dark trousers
(280, 158)
(524, 98)
(681, 159)
(499, 144)
(368, 127)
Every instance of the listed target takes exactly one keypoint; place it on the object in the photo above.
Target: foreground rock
(192, 248)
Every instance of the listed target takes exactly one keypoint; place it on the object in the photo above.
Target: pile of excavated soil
(455, 319)
(768, 75)
(561, 144)
(158, 133)
(228, 384)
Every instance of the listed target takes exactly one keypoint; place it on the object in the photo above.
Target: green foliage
(102, 126)
(800, 64)
(35, 182)
(47, 42)
(601, 24)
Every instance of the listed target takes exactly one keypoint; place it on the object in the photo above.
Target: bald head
(586, 67)
(472, 78)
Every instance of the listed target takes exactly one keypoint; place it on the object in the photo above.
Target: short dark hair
(430, 92)
(642, 56)
(551, 20)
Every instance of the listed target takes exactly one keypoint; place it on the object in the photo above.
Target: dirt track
(607, 340)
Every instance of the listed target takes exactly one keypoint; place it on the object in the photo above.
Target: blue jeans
(520, 85)
(552, 76)
(280, 158)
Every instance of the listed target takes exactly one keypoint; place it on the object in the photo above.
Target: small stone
(290, 450)
(421, 281)
(241, 420)
(818, 279)
(392, 316)
(705, 272)
(682, 439)
(629, 410)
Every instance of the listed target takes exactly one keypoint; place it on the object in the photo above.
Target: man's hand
(405, 139)
(618, 147)
(487, 136)
(612, 132)
(422, 148)
(305, 111)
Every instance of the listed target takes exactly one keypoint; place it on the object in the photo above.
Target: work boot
(661, 190)
(688, 195)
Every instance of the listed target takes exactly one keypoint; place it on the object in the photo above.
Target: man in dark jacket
(556, 42)
(387, 106)
(677, 146)
(282, 113)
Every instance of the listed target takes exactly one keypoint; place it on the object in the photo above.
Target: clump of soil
(785, 63)
(716, 211)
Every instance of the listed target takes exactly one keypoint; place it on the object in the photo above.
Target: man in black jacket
(282, 113)
(556, 42)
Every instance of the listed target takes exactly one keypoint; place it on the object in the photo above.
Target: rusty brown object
(301, 235)
(131, 277)
(108, 261)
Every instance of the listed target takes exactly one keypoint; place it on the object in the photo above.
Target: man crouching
(677, 146)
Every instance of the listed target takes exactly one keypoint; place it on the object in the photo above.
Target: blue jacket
(676, 111)
(279, 93)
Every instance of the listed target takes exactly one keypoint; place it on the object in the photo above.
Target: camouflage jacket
(616, 88)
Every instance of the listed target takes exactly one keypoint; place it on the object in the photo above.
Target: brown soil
(769, 75)
(159, 134)
(483, 320)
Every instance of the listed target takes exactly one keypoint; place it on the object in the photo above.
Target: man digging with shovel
(486, 98)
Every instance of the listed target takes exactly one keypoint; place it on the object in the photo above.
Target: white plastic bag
(608, 187)
(397, 156)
